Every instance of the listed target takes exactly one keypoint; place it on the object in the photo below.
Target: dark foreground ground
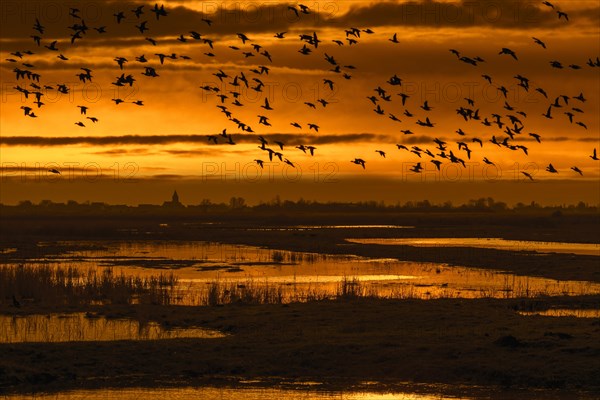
(340, 343)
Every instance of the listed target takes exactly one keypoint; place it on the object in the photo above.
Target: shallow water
(489, 243)
(278, 394)
(82, 327)
(198, 264)
(561, 312)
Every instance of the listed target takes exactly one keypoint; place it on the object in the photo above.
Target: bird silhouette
(119, 16)
(538, 41)
(52, 46)
(159, 11)
(577, 170)
(417, 168)
(528, 175)
(359, 161)
(548, 113)
(138, 11)
(508, 52)
(267, 106)
(142, 27)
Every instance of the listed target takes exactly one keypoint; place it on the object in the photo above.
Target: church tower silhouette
(174, 201)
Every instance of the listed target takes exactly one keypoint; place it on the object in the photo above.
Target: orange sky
(166, 138)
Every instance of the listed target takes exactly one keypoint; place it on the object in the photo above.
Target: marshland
(308, 303)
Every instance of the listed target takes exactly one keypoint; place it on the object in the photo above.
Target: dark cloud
(169, 176)
(18, 17)
(290, 139)
(496, 13)
(122, 152)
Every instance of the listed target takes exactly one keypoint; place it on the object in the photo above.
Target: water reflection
(562, 312)
(225, 394)
(83, 327)
(296, 274)
(490, 243)
(277, 394)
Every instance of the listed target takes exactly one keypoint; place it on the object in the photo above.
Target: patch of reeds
(47, 285)
(73, 286)
(250, 292)
(292, 257)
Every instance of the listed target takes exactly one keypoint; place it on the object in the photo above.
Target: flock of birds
(509, 123)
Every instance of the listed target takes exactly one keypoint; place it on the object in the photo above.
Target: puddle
(79, 327)
(489, 243)
(565, 313)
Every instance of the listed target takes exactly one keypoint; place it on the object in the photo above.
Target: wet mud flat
(340, 344)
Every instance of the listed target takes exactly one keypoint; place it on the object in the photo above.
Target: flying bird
(508, 52)
(527, 175)
(577, 170)
(562, 15)
(119, 16)
(538, 41)
(359, 161)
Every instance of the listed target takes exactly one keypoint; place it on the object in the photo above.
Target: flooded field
(276, 324)
(86, 327)
(295, 275)
(490, 243)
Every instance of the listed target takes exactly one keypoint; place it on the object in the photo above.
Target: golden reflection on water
(561, 312)
(490, 243)
(227, 394)
(79, 327)
(299, 276)
(433, 392)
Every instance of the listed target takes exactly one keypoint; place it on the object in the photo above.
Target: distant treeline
(238, 205)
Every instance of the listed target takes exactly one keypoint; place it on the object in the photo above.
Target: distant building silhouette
(174, 201)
